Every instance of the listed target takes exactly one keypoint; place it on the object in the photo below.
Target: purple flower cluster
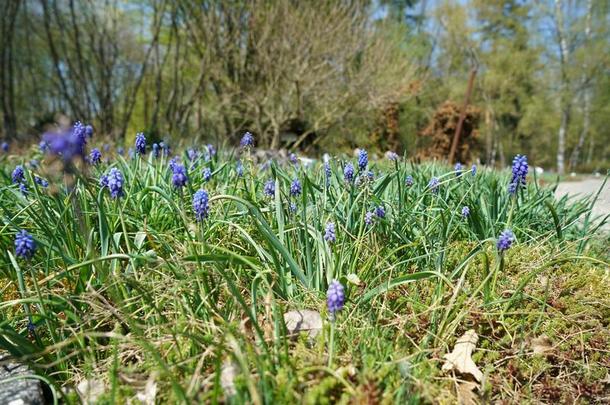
(409, 181)
(207, 174)
(329, 233)
(155, 150)
(519, 169)
(18, 175)
(239, 169)
(25, 247)
(348, 173)
(41, 182)
(327, 173)
(458, 168)
(4, 147)
(505, 240)
(201, 205)
(293, 158)
(295, 188)
(380, 211)
(269, 188)
(391, 155)
(335, 297)
(434, 184)
(140, 143)
(95, 156)
(363, 159)
(67, 144)
(179, 175)
(247, 141)
(114, 182)
(474, 170)
(368, 218)
(465, 211)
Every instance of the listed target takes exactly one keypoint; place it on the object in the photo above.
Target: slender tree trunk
(574, 158)
(561, 139)
(565, 97)
(7, 71)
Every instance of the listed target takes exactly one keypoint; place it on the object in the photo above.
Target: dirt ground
(588, 186)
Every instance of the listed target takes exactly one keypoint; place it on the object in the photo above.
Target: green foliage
(123, 291)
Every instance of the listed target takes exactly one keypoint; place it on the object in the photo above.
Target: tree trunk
(565, 98)
(574, 158)
(561, 139)
(7, 71)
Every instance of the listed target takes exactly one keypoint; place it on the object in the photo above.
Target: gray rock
(18, 390)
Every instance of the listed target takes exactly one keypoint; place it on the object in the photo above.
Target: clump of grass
(135, 286)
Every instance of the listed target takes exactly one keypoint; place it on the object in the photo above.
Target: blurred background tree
(313, 76)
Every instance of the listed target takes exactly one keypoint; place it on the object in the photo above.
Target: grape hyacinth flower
(140, 143)
(335, 298)
(474, 170)
(192, 154)
(201, 205)
(211, 149)
(239, 169)
(370, 175)
(329, 233)
(155, 150)
(106, 147)
(131, 153)
(41, 182)
(25, 246)
(458, 168)
(172, 163)
(512, 188)
(391, 155)
(43, 146)
(104, 181)
(269, 188)
(207, 174)
(363, 159)
(120, 150)
(295, 188)
(465, 211)
(348, 173)
(434, 184)
(179, 176)
(24, 189)
(114, 182)
(247, 141)
(293, 158)
(89, 131)
(368, 218)
(519, 169)
(380, 211)
(165, 148)
(292, 207)
(95, 156)
(79, 132)
(18, 174)
(327, 172)
(409, 181)
(505, 240)
(4, 147)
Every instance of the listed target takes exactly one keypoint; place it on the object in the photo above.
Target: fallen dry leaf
(304, 320)
(460, 358)
(466, 393)
(90, 390)
(542, 344)
(228, 372)
(147, 397)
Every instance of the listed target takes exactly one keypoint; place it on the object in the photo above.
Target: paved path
(588, 186)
